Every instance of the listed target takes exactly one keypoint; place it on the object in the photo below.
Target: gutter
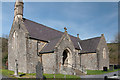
(38, 39)
(86, 52)
(46, 52)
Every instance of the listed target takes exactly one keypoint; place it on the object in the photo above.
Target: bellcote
(18, 11)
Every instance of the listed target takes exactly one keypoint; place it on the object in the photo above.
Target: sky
(88, 19)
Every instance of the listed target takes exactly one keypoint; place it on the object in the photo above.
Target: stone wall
(89, 61)
(63, 44)
(17, 48)
(23, 49)
(33, 47)
(77, 59)
(103, 62)
(22, 67)
(49, 63)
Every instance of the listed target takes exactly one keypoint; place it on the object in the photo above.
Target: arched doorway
(67, 58)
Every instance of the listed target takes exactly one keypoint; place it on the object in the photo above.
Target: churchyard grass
(60, 76)
(6, 73)
(97, 72)
(9, 74)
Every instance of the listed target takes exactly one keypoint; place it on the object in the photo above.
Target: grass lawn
(6, 73)
(60, 76)
(9, 73)
(97, 72)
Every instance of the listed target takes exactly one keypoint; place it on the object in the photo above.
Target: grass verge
(6, 73)
(97, 72)
(9, 74)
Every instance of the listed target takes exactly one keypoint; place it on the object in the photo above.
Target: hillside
(113, 52)
(4, 47)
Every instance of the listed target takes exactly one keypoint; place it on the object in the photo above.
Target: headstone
(118, 66)
(104, 68)
(16, 68)
(65, 76)
(39, 70)
(115, 67)
(53, 72)
(111, 67)
(118, 73)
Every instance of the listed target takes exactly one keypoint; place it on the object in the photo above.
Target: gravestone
(16, 69)
(111, 67)
(118, 66)
(39, 70)
(118, 73)
(104, 68)
(115, 67)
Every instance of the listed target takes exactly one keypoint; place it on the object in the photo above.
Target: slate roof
(89, 45)
(52, 36)
(50, 46)
(44, 33)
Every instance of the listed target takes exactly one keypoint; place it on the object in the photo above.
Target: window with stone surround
(14, 40)
(104, 53)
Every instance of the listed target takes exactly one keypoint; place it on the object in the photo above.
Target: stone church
(58, 52)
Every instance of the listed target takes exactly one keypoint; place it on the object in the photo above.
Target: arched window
(14, 41)
(104, 53)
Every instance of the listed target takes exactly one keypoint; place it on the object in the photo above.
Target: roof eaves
(38, 39)
(86, 52)
(46, 52)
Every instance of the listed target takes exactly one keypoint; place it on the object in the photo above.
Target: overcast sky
(89, 19)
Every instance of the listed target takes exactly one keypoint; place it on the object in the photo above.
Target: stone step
(71, 71)
(68, 70)
(78, 72)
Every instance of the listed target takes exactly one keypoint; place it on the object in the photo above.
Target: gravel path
(97, 77)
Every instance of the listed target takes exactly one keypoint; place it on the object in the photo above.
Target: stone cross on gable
(65, 29)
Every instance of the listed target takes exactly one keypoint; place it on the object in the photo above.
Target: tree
(4, 49)
(5, 36)
(117, 38)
